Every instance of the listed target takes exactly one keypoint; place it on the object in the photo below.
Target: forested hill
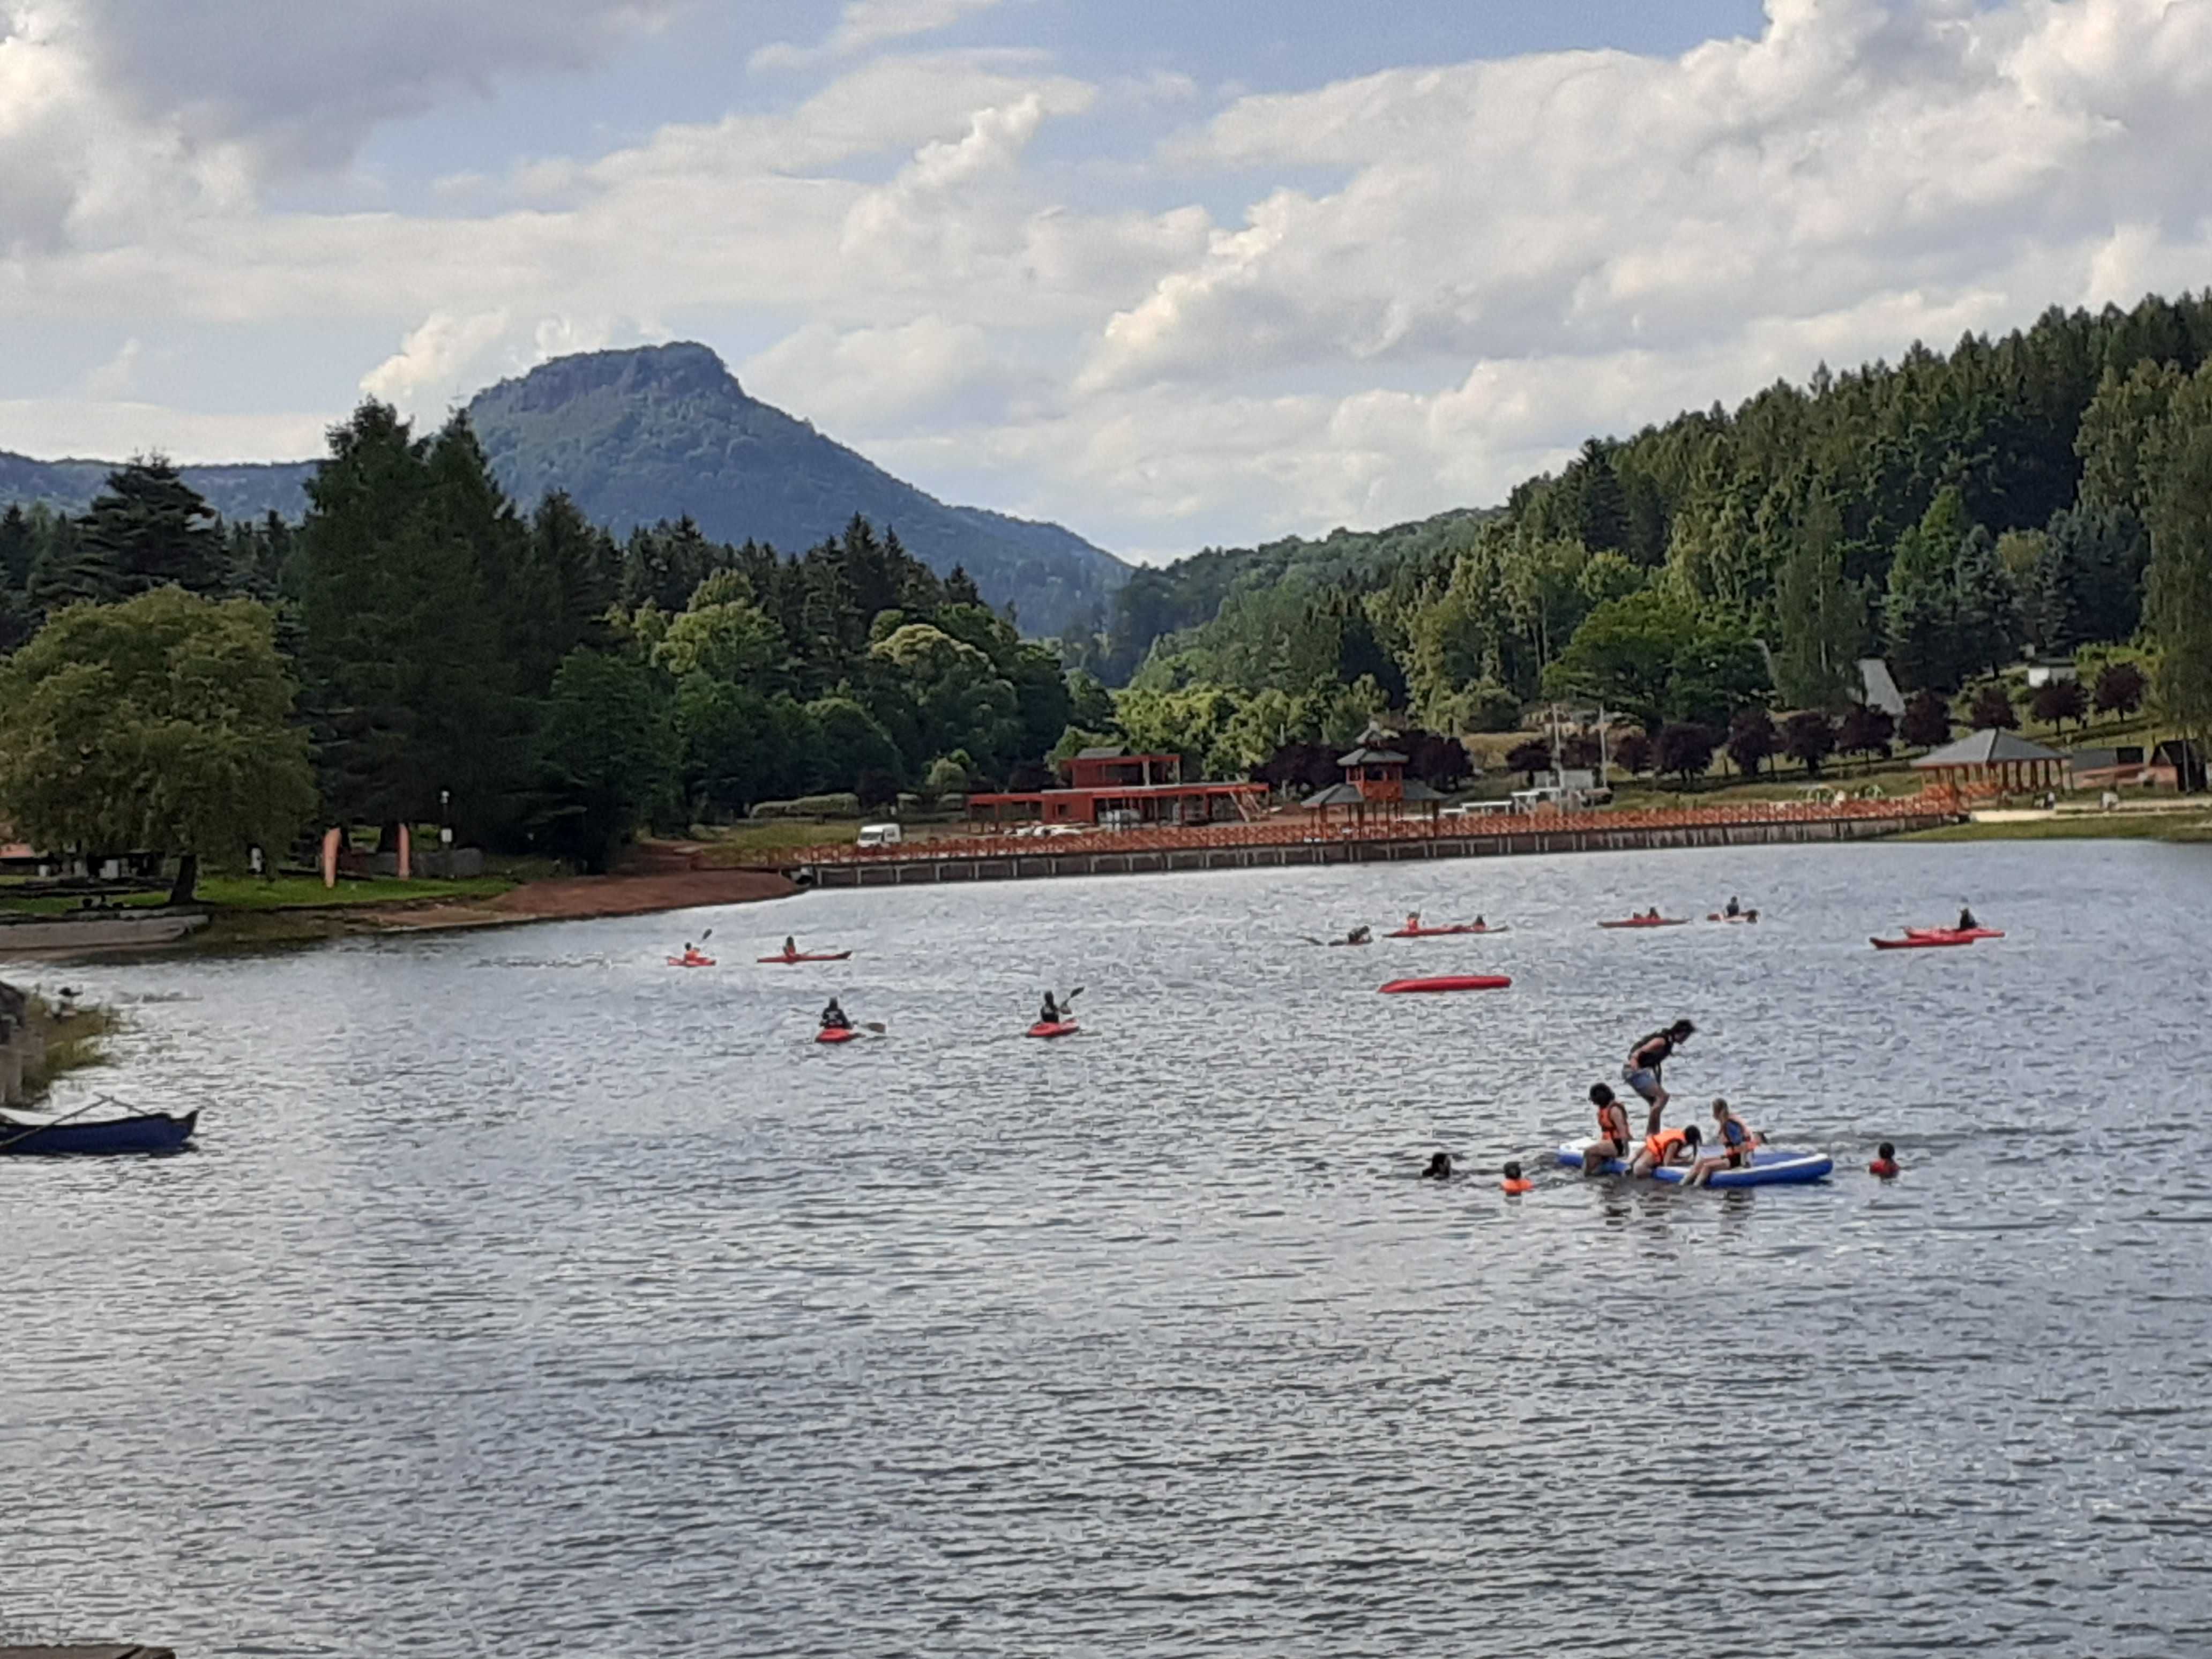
(663, 432)
(641, 435)
(1948, 511)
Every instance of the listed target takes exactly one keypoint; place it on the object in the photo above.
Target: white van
(880, 834)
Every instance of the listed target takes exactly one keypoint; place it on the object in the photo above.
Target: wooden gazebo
(1995, 758)
(1375, 783)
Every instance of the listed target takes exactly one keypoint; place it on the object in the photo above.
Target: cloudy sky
(1171, 272)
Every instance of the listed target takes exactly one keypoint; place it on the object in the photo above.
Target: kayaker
(1736, 1140)
(1049, 1014)
(1439, 1168)
(1413, 921)
(1643, 1072)
(834, 1019)
(1516, 1183)
(1884, 1163)
(1481, 925)
(790, 946)
(1734, 907)
(1668, 1146)
(1612, 1141)
(1359, 935)
(1966, 923)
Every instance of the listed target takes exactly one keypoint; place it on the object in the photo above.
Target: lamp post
(444, 829)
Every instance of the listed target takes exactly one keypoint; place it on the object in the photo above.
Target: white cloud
(109, 429)
(865, 25)
(1402, 292)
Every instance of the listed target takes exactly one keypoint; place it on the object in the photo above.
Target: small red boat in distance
(1443, 932)
(783, 961)
(1055, 1027)
(836, 1034)
(1928, 938)
(694, 960)
(1399, 988)
(1649, 922)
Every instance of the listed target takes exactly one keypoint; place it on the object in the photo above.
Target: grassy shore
(2191, 824)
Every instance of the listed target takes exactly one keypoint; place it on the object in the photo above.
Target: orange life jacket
(1662, 1145)
(1607, 1130)
(1517, 1187)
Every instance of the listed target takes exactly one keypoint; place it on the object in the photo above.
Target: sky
(1175, 273)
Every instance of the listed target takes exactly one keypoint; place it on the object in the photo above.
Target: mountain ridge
(648, 432)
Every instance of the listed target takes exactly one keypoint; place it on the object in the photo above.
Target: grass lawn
(229, 892)
(2188, 824)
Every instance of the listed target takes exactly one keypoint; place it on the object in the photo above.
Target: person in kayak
(1736, 1140)
(1884, 1163)
(1668, 1146)
(834, 1019)
(1612, 1141)
(1439, 1168)
(1734, 907)
(1049, 1014)
(1359, 935)
(1966, 923)
(1643, 1072)
(1516, 1183)
(1413, 921)
(1481, 925)
(790, 946)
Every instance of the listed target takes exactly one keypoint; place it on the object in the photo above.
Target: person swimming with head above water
(1612, 1141)
(1440, 1168)
(1884, 1162)
(1515, 1183)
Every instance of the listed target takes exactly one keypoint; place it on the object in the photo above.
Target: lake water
(526, 1296)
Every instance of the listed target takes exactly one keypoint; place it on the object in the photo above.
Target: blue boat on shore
(31, 1134)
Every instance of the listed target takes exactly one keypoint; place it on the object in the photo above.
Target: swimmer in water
(1516, 1183)
(1884, 1162)
(1439, 1168)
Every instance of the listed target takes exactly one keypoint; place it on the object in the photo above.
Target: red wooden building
(1374, 784)
(1111, 789)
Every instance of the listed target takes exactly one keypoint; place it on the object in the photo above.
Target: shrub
(1926, 723)
(1686, 750)
(1866, 731)
(1809, 737)
(2120, 689)
(1751, 740)
(845, 805)
(1992, 706)
(2058, 701)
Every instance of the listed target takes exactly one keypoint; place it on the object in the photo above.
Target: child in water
(1439, 1168)
(1884, 1162)
(1516, 1183)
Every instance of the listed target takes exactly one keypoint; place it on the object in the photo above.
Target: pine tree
(17, 548)
(1821, 617)
(1987, 610)
(152, 528)
(2180, 611)
(65, 571)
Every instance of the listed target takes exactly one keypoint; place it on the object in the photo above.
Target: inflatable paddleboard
(818, 956)
(833, 1034)
(1770, 1166)
(1449, 982)
(1054, 1028)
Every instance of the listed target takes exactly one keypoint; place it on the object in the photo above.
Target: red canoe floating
(1054, 1028)
(836, 1034)
(1398, 988)
(1928, 939)
(1649, 922)
(691, 962)
(1440, 932)
(818, 956)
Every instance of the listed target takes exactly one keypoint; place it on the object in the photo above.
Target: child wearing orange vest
(1516, 1183)
(1668, 1146)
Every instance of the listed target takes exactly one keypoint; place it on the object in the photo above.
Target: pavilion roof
(1364, 756)
(1991, 746)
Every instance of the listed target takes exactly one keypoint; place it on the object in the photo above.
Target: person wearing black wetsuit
(1642, 1071)
(1049, 1015)
(1966, 923)
(1439, 1168)
(834, 1018)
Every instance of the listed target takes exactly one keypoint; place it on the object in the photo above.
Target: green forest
(417, 648)
(446, 657)
(2028, 495)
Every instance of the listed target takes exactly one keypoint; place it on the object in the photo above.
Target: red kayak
(1398, 988)
(1441, 932)
(836, 1034)
(1054, 1028)
(1954, 933)
(691, 962)
(1922, 941)
(819, 955)
(1649, 922)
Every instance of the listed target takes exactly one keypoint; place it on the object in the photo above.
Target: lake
(526, 1295)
